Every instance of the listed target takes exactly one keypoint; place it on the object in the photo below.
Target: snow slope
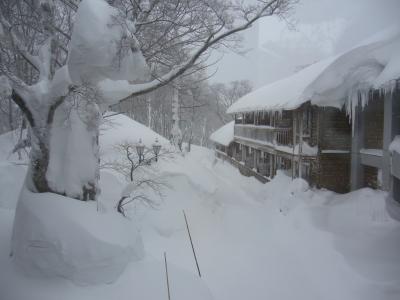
(280, 240)
(120, 128)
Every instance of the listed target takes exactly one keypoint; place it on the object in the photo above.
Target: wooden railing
(249, 161)
(254, 133)
(237, 156)
(278, 136)
(263, 168)
(284, 136)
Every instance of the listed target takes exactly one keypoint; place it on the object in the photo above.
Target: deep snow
(280, 240)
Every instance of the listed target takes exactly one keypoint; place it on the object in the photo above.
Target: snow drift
(58, 236)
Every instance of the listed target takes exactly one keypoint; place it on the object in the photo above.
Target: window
(249, 118)
(238, 118)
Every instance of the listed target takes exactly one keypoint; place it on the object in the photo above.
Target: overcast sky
(322, 28)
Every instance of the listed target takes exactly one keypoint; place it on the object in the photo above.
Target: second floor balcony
(266, 134)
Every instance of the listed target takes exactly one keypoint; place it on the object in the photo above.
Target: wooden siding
(373, 115)
(335, 129)
(334, 172)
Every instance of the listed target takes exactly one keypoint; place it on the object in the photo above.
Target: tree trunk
(39, 162)
(64, 157)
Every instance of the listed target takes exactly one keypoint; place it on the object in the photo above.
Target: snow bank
(224, 135)
(12, 177)
(58, 236)
(101, 46)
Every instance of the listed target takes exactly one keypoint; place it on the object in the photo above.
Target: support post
(166, 275)
(357, 141)
(388, 136)
(300, 141)
(191, 242)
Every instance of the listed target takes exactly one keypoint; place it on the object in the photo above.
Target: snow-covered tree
(84, 62)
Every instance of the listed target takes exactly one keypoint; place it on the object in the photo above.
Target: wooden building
(333, 124)
(310, 142)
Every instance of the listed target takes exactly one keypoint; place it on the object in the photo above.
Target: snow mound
(120, 128)
(58, 236)
(224, 135)
(11, 180)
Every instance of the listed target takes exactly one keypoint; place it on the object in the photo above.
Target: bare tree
(142, 179)
(225, 94)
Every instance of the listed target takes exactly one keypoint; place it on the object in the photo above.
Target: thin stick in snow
(166, 274)
(191, 242)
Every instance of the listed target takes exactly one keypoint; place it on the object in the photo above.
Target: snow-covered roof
(286, 93)
(223, 135)
(371, 64)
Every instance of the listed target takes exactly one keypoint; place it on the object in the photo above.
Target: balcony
(266, 134)
(284, 136)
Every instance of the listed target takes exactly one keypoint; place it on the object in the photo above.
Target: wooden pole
(166, 274)
(191, 242)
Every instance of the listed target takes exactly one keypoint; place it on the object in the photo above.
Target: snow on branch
(123, 90)
(20, 46)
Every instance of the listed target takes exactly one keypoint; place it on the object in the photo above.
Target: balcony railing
(249, 162)
(284, 136)
(263, 168)
(276, 136)
(237, 156)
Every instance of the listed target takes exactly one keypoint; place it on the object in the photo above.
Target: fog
(315, 30)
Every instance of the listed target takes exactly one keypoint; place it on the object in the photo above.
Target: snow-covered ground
(279, 240)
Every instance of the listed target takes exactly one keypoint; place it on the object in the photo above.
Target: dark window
(238, 119)
(249, 118)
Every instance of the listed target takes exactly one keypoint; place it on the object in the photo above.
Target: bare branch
(215, 37)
